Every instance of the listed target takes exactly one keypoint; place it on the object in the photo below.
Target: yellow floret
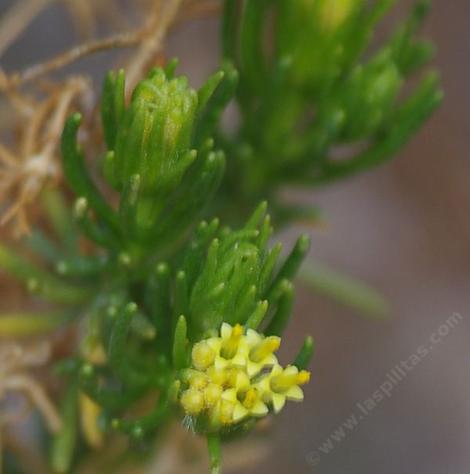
(217, 376)
(230, 348)
(283, 384)
(223, 413)
(261, 354)
(198, 381)
(231, 338)
(289, 378)
(212, 395)
(247, 402)
(203, 355)
(236, 378)
(192, 401)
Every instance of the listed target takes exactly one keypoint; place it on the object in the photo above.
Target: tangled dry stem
(25, 171)
(29, 166)
(149, 38)
(15, 361)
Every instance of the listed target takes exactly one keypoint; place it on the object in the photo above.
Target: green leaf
(92, 385)
(403, 125)
(57, 210)
(291, 265)
(181, 299)
(302, 361)
(157, 298)
(141, 426)
(180, 344)
(257, 316)
(118, 354)
(29, 324)
(207, 90)
(170, 68)
(252, 59)
(348, 291)
(39, 281)
(95, 230)
(78, 176)
(214, 98)
(112, 105)
(39, 243)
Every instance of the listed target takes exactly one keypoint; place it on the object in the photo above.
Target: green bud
(369, 97)
(154, 135)
(160, 157)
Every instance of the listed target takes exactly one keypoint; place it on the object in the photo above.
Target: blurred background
(404, 229)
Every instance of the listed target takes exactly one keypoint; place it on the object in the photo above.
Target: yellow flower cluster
(237, 376)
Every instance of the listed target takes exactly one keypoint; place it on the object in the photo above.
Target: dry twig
(15, 360)
(25, 172)
(149, 38)
(163, 16)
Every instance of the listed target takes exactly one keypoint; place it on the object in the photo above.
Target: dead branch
(8, 82)
(37, 395)
(157, 28)
(25, 173)
(150, 39)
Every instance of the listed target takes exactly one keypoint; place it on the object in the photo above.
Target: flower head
(229, 383)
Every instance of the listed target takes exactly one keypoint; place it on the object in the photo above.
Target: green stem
(64, 443)
(215, 453)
